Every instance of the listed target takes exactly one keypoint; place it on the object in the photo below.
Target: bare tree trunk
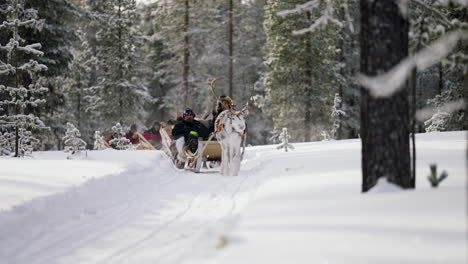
(121, 104)
(78, 103)
(441, 79)
(231, 48)
(308, 87)
(186, 53)
(384, 121)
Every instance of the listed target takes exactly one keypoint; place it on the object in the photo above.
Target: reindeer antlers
(212, 86)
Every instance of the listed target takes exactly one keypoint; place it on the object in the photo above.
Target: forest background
(112, 61)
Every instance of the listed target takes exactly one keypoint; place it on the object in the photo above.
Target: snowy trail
(145, 214)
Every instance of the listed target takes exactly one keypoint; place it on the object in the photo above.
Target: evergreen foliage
(22, 84)
(284, 137)
(299, 80)
(442, 83)
(116, 60)
(58, 36)
(99, 142)
(337, 115)
(119, 140)
(72, 140)
(7, 140)
(120, 94)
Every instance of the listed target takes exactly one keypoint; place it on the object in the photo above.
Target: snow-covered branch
(448, 108)
(389, 83)
(33, 49)
(308, 6)
(322, 21)
(432, 10)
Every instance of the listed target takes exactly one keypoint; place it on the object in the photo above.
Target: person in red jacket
(153, 135)
(133, 135)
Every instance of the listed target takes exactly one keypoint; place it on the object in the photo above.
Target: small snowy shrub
(325, 135)
(119, 141)
(434, 179)
(284, 137)
(99, 142)
(72, 141)
(337, 115)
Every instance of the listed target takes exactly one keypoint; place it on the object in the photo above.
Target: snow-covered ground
(134, 207)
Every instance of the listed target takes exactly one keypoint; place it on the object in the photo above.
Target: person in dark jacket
(186, 133)
(153, 135)
(224, 103)
(132, 135)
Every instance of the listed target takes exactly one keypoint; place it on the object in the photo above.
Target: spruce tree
(120, 91)
(298, 79)
(57, 37)
(72, 140)
(156, 72)
(23, 85)
(119, 141)
(99, 142)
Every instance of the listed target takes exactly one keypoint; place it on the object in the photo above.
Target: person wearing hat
(153, 135)
(224, 103)
(186, 133)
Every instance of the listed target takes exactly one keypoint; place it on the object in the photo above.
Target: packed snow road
(136, 209)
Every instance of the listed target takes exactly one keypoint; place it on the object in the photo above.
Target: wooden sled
(211, 153)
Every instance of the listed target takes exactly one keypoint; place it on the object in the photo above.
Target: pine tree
(99, 142)
(298, 79)
(57, 37)
(284, 137)
(119, 141)
(157, 56)
(23, 85)
(78, 92)
(443, 82)
(72, 140)
(337, 115)
(7, 140)
(120, 91)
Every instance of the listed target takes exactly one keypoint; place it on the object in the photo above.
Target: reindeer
(229, 130)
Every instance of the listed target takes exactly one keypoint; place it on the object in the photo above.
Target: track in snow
(146, 214)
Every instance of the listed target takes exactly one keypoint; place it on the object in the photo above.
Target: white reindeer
(230, 127)
(229, 130)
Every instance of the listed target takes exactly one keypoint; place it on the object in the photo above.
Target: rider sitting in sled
(132, 135)
(153, 135)
(224, 103)
(186, 133)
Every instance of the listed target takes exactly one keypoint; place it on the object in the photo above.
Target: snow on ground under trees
(302, 206)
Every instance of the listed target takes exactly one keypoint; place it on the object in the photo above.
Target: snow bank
(312, 211)
(49, 173)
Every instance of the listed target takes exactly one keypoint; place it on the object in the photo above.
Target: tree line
(121, 61)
